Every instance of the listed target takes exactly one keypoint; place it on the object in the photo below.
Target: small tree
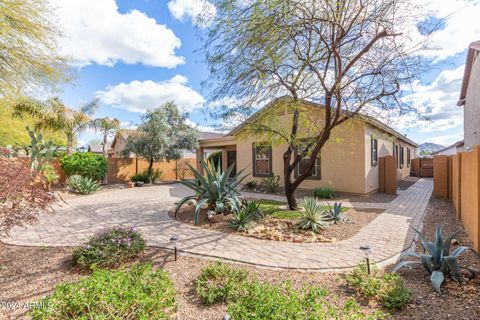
(350, 57)
(22, 198)
(163, 135)
(107, 127)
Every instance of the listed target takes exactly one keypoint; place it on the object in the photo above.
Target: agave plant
(241, 221)
(253, 209)
(436, 259)
(336, 212)
(82, 185)
(313, 216)
(217, 190)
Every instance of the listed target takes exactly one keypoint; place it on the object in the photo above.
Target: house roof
(204, 135)
(369, 119)
(455, 145)
(473, 48)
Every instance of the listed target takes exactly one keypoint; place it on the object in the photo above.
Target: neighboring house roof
(369, 119)
(95, 148)
(457, 144)
(122, 134)
(473, 50)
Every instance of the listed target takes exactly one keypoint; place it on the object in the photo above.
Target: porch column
(200, 152)
(224, 160)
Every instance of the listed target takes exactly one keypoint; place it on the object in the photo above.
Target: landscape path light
(174, 239)
(210, 215)
(367, 250)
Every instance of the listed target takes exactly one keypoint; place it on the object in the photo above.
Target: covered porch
(226, 145)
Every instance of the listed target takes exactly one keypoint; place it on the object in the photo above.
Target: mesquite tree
(162, 135)
(349, 56)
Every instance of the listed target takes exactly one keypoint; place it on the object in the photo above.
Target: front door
(231, 159)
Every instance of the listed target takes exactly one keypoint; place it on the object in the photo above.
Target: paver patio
(147, 209)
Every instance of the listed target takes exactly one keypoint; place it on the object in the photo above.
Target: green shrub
(86, 164)
(394, 293)
(324, 193)
(109, 248)
(272, 302)
(241, 220)
(251, 184)
(253, 209)
(143, 177)
(137, 293)
(271, 183)
(313, 217)
(389, 289)
(218, 282)
(82, 185)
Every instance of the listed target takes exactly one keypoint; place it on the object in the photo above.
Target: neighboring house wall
(472, 107)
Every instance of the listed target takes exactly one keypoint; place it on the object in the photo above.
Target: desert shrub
(241, 220)
(251, 184)
(324, 192)
(220, 283)
(51, 176)
(143, 177)
(137, 293)
(313, 217)
(82, 185)
(86, 164)
(271, 183)
(22, 195)
(389, 289)
(109, 248)
(253, 209)
(269, 301)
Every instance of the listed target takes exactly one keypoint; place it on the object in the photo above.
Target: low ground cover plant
(324, 193)
(389, 288)
(136, 293)
(109, 248)
(270, 301)
(251, 184)
(220, 283)
(82, 185)
(86, 164)
(143, 177)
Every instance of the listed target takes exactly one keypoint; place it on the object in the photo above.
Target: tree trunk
(105, 178)
(290, 194)
(150, 167)
(69, 145)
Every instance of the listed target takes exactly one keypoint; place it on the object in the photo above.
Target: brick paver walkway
(146, 208)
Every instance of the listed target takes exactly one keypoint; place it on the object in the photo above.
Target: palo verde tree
(53, 114)
(162, 135)
(28, 47)
(348, 56)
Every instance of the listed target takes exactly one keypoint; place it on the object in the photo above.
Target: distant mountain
(428, 148)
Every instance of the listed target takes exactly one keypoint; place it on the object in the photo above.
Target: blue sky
(135, 55)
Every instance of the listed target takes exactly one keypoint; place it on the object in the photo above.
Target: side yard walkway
(147, 209)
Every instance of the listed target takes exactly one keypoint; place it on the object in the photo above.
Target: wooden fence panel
(455, 183)
(440, 172)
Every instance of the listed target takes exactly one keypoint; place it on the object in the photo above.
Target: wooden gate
(388, 175)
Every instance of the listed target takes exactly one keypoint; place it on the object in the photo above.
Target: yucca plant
(82, 185)
(313, 217)
(336, 213)
(436, 259)
(241, 221)
(217, 190)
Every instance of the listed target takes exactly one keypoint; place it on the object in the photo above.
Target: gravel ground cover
(27, 273)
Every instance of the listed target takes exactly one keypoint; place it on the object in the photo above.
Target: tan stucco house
(470, 96)
(348, 162)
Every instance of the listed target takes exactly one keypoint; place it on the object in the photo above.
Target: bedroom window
(374, 151)
(262, 160)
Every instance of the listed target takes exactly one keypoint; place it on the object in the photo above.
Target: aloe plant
(217, 190)
(82, 185)
(313, 216)
(437, 259)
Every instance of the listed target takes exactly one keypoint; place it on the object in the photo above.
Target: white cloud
(446, 140)
(96, 32)
(199, 11)
(195, 125)
(138, 96)
(461, 26)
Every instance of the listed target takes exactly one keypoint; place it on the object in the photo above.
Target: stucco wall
(342, 159)
(472, 108)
